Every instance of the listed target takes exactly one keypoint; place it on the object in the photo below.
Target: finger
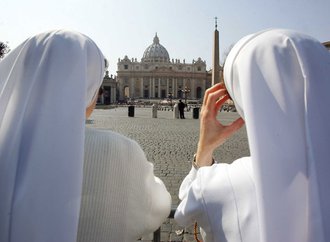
(211, 90)
(221, 101)
(214, 97)
(234, 126)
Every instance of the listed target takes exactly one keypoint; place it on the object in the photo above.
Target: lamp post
(185, 91)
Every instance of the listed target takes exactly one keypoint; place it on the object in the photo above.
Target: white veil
(46, 84)
(280, 83)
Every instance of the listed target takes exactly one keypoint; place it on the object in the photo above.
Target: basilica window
(125, 67)
(199, 68)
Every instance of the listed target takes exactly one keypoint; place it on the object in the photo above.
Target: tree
(4, 49)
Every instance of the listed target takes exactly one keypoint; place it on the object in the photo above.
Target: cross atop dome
(156, 39)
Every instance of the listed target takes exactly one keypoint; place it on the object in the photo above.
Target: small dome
(156, 52)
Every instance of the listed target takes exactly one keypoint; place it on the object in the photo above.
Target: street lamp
(185, 91)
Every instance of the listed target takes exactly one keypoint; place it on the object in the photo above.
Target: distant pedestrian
(181, 109)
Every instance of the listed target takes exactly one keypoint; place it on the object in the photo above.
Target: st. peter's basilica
(157, 76)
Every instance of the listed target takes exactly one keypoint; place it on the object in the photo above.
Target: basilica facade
(157, 76)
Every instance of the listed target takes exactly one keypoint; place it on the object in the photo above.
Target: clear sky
(185, 27)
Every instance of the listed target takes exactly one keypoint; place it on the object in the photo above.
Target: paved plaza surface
(170, 145)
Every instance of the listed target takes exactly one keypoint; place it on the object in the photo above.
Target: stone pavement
(170, 145)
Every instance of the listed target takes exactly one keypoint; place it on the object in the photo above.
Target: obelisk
(216, 65)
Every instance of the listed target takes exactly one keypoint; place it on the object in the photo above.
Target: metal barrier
(157, 232)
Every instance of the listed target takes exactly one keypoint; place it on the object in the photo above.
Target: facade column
(153, 87)
(167, 87)
(150, 87)
(197, 81)
(113, 95)
(193, 89)
(159, 88)
(203, 88)
(110, 93)
(142, 88)
(175, 92)
(121, 92)
(132, 90)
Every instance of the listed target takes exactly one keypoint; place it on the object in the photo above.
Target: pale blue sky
(185, 27)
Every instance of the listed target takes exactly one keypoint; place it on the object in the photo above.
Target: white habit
(280, 81)
(122, 199)
(221, 199)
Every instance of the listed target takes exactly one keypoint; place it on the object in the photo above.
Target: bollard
(176, 111)
(154, 110)
(195, 113)
(131, 111)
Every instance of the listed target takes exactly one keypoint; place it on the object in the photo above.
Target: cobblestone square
(170, 145)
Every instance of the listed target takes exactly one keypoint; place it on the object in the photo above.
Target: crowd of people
(61, 181)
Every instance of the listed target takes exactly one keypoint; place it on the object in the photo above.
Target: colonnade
(161, 87)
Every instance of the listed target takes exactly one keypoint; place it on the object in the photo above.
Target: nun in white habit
(279, 81)
(47, 85)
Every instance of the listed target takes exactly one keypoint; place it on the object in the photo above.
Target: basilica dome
(156, 52)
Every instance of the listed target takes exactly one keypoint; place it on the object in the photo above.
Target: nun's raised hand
(212, 132)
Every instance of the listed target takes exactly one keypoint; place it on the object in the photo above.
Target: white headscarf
(46, 84)
(280, 83)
